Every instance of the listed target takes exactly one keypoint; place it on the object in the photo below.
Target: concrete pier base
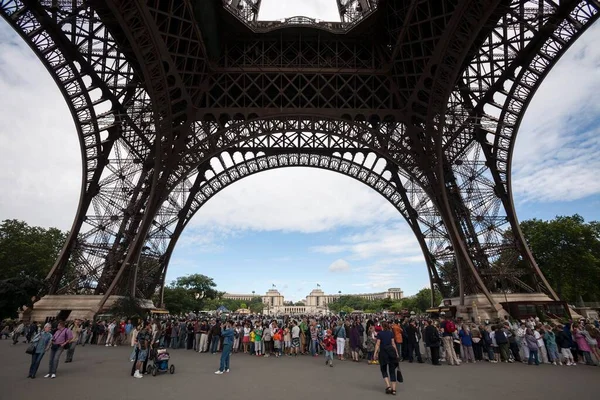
(478, 308)
(73, 306)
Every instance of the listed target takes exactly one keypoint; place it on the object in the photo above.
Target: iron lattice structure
(175, 100)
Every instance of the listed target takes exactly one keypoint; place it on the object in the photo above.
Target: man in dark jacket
(432, 341)
(412, 342)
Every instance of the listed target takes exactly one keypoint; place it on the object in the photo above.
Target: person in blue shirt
(228, 335)
(42, 343)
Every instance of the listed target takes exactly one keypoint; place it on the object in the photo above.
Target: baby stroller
(160, 357)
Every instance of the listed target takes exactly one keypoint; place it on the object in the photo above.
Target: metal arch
(100, 130)
(386, 138)
(396, 188)
(424, 86)
(549, 31)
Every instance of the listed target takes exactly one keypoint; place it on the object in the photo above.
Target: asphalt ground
(99, 372)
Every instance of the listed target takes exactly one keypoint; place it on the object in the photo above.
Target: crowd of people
(378, 339)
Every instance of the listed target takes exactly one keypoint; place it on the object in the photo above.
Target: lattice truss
(393, 94)
(484, 113)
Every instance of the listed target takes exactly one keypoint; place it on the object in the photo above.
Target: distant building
(316, 302)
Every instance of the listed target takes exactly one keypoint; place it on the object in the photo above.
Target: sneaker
(137, 375)
(227, 370)
(560, 363)
(219, 372)
(47, 376)
(53, 376)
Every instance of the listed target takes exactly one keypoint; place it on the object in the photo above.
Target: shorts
(246, 339)
(287, 344)
(277, 344)
(295, 342)
(142, 355)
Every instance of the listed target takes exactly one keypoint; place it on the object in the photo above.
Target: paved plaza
(98, 372)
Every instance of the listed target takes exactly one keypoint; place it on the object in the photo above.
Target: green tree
(567, 251)
(128, 307)
(27, 254)
(256, 305)
(243, 305)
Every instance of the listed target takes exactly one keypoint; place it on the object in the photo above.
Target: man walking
(227, 334)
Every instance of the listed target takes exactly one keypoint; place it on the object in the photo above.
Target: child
(328, 345)
(252, 338)
(370, 345)
(277, 336)
(287, 340)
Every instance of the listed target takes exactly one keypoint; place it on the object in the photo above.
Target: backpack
(450, 327)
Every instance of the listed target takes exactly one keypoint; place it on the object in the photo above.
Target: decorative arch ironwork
(438, 90)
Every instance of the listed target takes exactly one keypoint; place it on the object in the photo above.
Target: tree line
(566, 248)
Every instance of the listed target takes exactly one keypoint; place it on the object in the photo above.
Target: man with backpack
(448, 328)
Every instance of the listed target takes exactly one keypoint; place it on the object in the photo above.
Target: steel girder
(488, 104)
(251, 157)
(437, 90)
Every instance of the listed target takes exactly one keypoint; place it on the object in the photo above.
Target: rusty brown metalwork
(174, 100)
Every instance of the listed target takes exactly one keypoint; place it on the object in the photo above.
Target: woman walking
(42, 343)
(387, 353)
(60, 342)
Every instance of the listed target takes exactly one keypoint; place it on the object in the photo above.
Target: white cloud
(339, 265)
(40, 162)
(556, 152)
(394, 240)
(294, 200)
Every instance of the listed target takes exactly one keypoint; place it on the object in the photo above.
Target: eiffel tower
(174, 100)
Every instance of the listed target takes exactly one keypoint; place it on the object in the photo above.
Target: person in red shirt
(328, 344)
(122, 334)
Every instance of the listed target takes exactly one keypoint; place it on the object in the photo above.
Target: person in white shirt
(538, 333)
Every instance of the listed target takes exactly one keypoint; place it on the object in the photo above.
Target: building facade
(315, 303)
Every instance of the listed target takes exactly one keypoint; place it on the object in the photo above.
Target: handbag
(31, 348)
(399, 377)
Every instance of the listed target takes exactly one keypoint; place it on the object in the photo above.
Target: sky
(295, 228)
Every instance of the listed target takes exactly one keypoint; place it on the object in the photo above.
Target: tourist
(144, 343)
(76, 330)
(227, 335)
(60, 341)
(432, 340)
(287, 341)
(340, 338)
(387, 354)
(267, 337)
(215, 333)
(277, 339)
(448, 328)
(466, 341)
(594, 336)
(412, 342)
(539, 335)
(582, 344)
(246, 338)
(370, 345)
(328, 344)
(398, 338)
(42, 342)
(295, 331)
(355, 340)
(532, 344)
(552, 348)
(258, 343)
